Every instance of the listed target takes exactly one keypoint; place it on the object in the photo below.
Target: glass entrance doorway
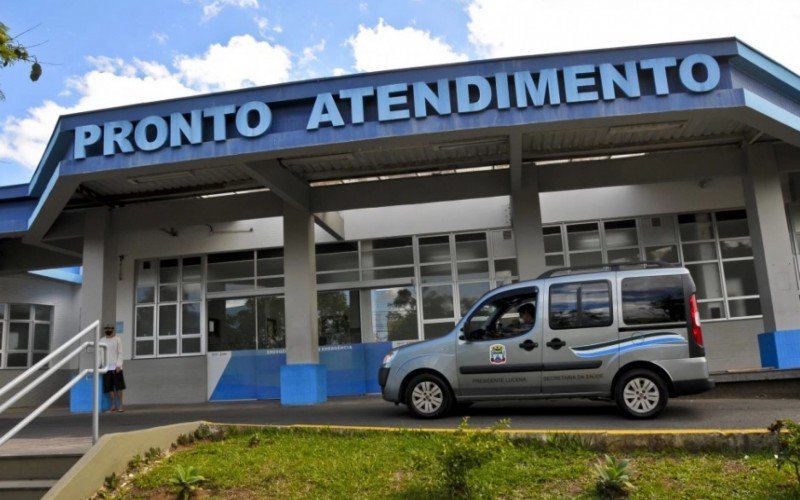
(247, 323)
(241, 331)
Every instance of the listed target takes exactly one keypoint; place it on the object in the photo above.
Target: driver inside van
(527, 317)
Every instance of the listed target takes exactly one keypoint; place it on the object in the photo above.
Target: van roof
(622, 266)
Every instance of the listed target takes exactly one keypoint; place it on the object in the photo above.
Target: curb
(695, 440)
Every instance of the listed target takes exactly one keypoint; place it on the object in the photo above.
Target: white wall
(646, 199)
(425, 218)
(64, 297)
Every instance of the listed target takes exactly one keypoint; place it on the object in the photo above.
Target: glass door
(241, 331)
(232, 324)
(270, 322)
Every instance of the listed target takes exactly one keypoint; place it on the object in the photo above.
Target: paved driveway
(60, 430)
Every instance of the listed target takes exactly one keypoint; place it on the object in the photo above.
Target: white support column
(772, 251)
(100, 270)
(772, 247)
(303, 379)
(526, 214)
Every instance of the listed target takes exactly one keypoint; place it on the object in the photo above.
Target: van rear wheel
(428, 396)
(641, 394)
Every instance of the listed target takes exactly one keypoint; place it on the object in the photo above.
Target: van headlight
(387, 360)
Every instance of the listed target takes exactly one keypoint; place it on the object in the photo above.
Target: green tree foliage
(11, 51)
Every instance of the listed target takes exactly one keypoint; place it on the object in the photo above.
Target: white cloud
(263, 25)
(244, 62)
(500, 28)
(161, 38)
(386, 47)
(339, 71)
(112, 82)
(211, 8)
(310, 54)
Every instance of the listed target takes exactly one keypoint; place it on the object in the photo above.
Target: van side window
(504, 317)
(580, 305)
(653, 299)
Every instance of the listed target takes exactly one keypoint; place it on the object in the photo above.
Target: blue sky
(100, 54)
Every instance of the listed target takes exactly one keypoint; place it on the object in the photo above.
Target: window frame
(30, 352)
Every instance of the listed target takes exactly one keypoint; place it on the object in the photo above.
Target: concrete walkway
(60, 431)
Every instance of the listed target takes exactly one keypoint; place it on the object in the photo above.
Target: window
(653, 300)
(24, 334)
(621, 241)
(714, 246)
(583, 241)
(394, 314)
(339, 317)
(269, 268)
(388, 258)
(738, 266)
(553, 246)
(472, 265)
(580, 305)
(505, 316)
(337, 262)
(168, 307)
(231, 271)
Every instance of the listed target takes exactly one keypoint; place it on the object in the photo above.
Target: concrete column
(526, 214)
(303, 379)
(772, 247)
(772, 251)
(100, 270)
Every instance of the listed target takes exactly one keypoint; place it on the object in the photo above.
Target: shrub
(612, 478)
(203, 432)
(185, 439)
(465, 450)
(788, 433)
(207, 433)
(134, 462)
(112, 482)
(254, 441)
(187, 480)
(152, 454)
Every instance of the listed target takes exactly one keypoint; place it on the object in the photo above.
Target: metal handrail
(95, 370)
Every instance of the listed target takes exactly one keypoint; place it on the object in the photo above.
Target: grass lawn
(302, 463)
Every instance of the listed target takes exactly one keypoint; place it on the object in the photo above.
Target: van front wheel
(428, 396)
(641, 394)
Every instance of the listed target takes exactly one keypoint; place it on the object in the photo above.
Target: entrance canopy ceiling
(410, 123)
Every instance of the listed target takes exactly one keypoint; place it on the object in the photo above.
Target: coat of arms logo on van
(497, 354)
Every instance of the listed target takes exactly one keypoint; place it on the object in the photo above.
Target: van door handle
(529, 345)
(556, 343)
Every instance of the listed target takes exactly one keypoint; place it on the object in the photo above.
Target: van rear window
(580, 305)
(653, 299)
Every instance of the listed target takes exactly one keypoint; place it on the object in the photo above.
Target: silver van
(629, 333)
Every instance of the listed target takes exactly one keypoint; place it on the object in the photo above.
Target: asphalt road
(58, 429)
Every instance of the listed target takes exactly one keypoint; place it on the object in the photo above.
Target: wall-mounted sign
(582, 83)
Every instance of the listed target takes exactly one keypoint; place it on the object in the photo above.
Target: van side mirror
(462, 337)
